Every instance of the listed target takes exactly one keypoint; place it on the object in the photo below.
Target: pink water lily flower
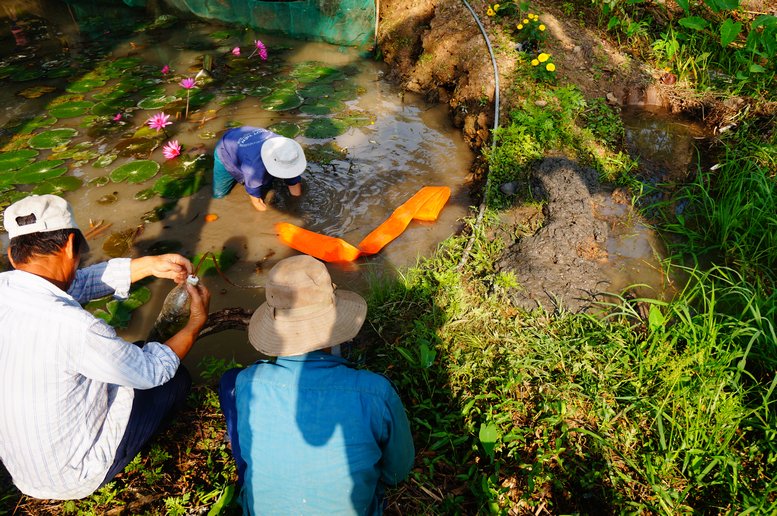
(260, 49)
(117, 117)
(171, 149)
(159, 121)
(165, 70)
(188, 83)
(236, 51)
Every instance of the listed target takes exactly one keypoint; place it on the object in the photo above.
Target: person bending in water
(254, 157)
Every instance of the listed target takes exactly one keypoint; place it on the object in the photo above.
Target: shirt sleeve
(107, 358)
(398, 449)
(101, 279)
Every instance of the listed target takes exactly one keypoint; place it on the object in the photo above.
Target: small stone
(612, 98)
(509, 188)
(577, 49)
(541, 103)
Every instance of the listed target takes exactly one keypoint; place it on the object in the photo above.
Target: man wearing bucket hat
(310, 434)
(253, 157)
(78, 402)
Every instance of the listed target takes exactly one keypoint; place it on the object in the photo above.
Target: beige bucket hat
(304, 311)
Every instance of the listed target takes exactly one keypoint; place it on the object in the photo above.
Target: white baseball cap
(283, 157)
(51, 213)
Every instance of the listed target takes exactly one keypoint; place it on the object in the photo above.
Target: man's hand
(171, 266)
(200, 301)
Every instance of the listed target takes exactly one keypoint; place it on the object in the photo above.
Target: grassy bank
(645, 406)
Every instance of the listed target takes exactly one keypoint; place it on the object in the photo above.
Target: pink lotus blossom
(172, 149)
(159, 121)
(236, 51)
(165, 70)
(260, 49)
(117, 117)
(188, 83)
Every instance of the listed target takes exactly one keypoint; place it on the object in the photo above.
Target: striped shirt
(67, 380)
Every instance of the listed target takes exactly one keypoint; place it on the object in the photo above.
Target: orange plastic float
(425, 205)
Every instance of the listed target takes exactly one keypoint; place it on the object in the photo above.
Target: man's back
(319, 437)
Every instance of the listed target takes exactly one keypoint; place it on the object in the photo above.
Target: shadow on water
(370, 151)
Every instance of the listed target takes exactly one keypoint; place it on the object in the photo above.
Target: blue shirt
(319, 437)
(240, 151)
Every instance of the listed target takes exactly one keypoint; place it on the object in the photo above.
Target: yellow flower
(531, 15)
(543, 57)
(534, 62)
(542, 27)
(520, 26)
(525, 21)
(550, 67)
(536, 17)
(490, 12)
(496, 7)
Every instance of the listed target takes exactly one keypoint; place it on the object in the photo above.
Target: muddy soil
(561, 265)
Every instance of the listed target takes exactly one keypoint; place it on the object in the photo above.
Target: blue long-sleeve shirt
(319, 437)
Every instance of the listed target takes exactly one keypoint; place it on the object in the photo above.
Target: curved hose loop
(482, 208)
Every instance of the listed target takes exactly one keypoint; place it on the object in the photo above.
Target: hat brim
(281, 170)
(278, 337)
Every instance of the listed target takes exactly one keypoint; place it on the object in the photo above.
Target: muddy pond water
(369, 147)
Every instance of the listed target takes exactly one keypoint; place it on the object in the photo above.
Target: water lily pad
(325, 128)
(8, 70)
(29, 125)
(56, 73)
(113, 106)
(171, 187)
(281, 100)
(145, 195)
(136, 147)
(58, 185)
(312, 71)
(71, 109)
(156, 101)
(347, 92)
(125, 63)
(36, 91)
(356, 118)
(110, 94)
(205, 263)
(232, 99)
(104, 160)
(259, 91)
(14, 160)
(221, 34)
(118, 244)
(52, 138)
(81, 151)
(322, 106)
(85, 85)
(39, 171)
(135, 171)
(108, 199)
(27, 75)
(98, 181)
(118, 313)
(285, 128)
(158, 213)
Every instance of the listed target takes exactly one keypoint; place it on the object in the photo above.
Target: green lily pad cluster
(118, 313)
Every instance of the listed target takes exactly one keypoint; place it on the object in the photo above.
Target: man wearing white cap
(253, 157)
(310, 434)
(78, 402)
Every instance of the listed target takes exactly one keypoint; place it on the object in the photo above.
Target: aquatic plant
(159, 122)
(260, 49)
(236, 51)
(188, 83)
(171, 149)
(165, 70)
(117, 117)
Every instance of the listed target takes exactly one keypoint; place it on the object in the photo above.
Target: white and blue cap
(50, 213)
